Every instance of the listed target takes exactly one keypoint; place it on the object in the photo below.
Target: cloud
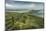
(8, 6)
(11, 4)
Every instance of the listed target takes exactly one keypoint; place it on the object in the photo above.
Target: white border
(2, 15)
(31, 0)
(2, 19)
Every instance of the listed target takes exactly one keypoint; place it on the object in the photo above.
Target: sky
(14, 4)
(19, 4)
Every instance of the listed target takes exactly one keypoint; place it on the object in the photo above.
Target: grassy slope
(23, 21)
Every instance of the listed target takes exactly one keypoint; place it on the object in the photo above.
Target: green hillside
(20, 21)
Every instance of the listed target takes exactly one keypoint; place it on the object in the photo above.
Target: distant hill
(39, 13)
